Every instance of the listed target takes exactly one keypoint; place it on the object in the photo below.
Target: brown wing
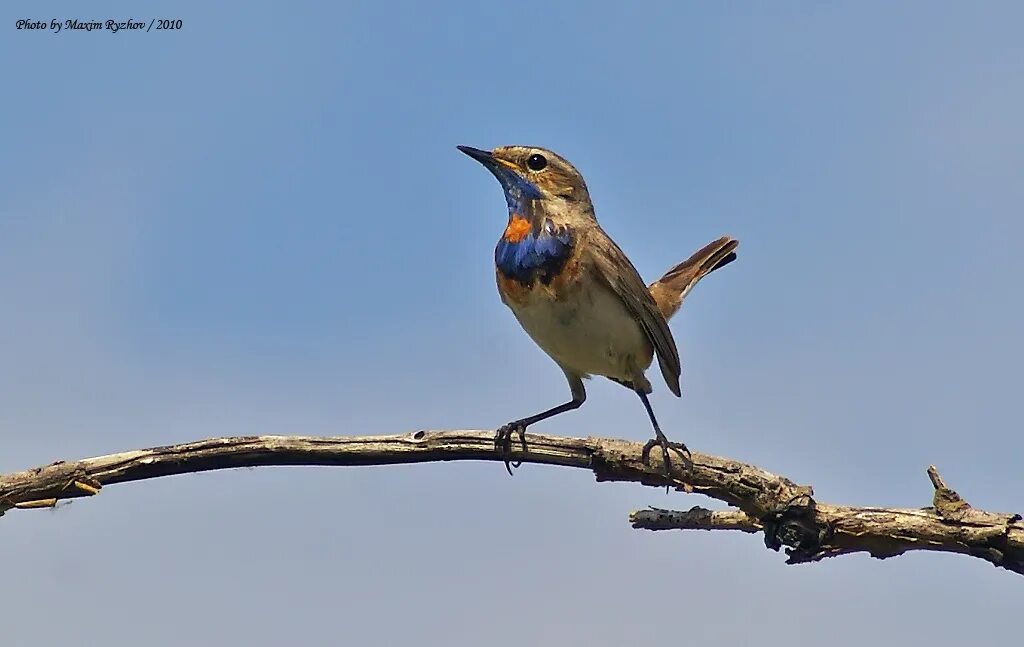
(615, 271)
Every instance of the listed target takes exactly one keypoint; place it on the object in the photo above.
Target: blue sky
(260, 224)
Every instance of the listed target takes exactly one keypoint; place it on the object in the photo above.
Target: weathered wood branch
(696, 518)
(784, 511)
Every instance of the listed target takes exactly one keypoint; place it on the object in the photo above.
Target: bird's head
(528, 173)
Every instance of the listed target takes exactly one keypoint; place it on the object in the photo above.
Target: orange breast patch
(517, 229)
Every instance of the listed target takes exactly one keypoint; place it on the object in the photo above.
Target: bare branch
(785, 512)
(696, 518)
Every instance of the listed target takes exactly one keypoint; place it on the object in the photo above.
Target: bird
(577, 295)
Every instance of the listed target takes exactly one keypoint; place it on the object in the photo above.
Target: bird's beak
(486, 158)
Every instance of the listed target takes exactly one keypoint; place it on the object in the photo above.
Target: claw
(503, 443)
(665, 444)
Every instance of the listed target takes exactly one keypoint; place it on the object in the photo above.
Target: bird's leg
(660, 440)
(503, 437)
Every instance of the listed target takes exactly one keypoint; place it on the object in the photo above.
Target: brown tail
(670, 290)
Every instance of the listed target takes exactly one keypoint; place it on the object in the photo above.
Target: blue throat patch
(519, 191)
(534, 257)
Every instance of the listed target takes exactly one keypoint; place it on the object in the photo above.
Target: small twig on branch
(785, 512)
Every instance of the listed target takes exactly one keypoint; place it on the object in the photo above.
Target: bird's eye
(536, 162)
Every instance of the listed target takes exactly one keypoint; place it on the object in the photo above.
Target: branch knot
(793, 524)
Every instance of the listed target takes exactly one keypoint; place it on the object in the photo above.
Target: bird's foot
(661, 441)
(503, 442)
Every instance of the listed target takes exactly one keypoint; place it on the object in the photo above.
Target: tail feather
(670, 290)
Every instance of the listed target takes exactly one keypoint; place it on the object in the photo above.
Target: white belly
(589, 332)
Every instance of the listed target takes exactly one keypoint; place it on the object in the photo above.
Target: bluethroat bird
(575, 292)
